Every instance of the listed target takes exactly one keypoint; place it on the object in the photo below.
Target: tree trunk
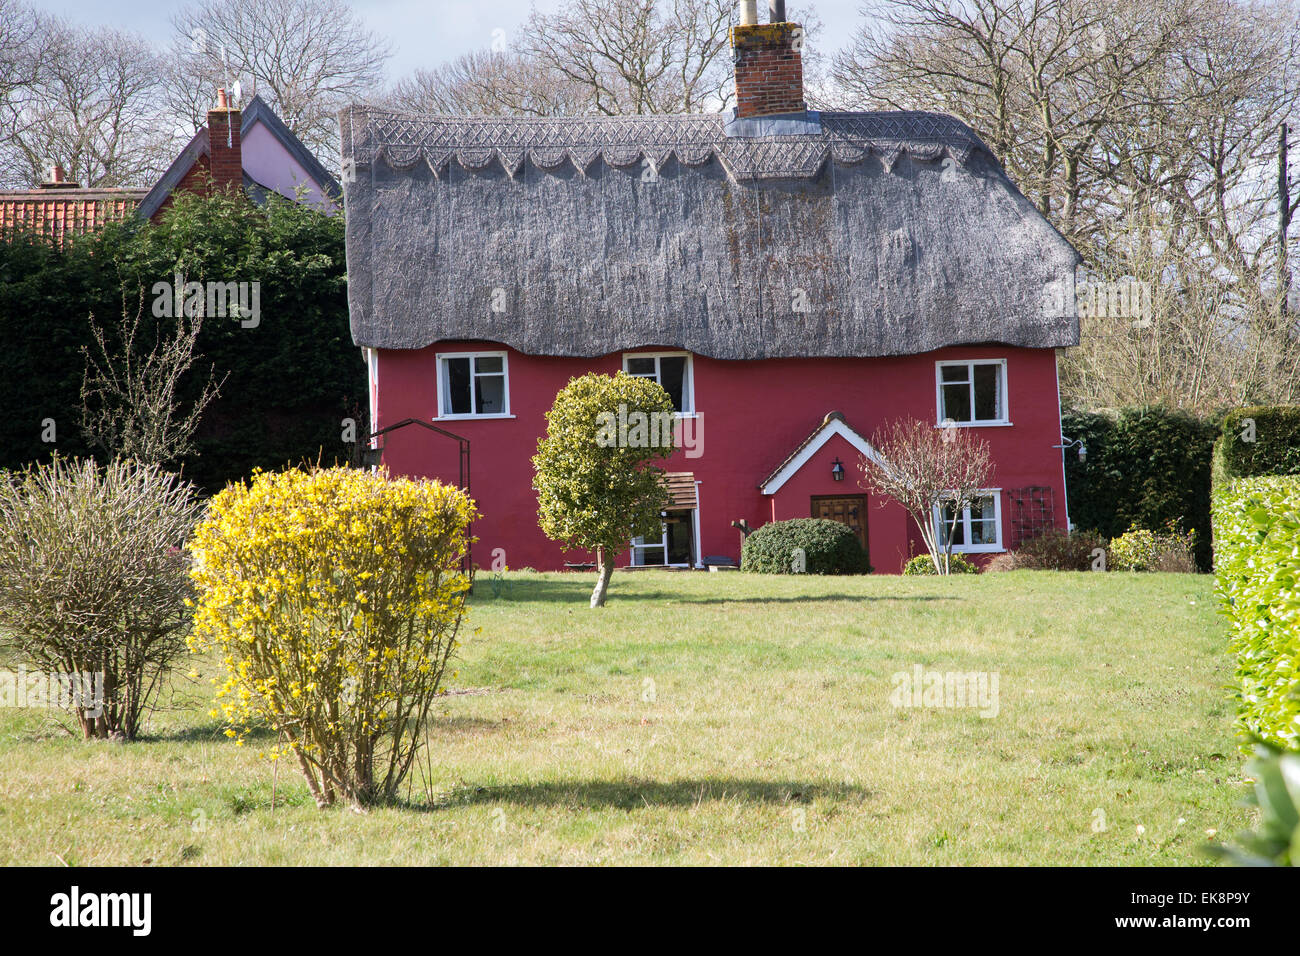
(604, 571)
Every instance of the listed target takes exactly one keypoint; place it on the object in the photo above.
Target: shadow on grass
(635, 793)
(205, 733)
(489, 590)
(461, 724)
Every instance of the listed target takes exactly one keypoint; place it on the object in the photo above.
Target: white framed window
(972, 392)
(473, 385)
(673, 370)
(978, 528)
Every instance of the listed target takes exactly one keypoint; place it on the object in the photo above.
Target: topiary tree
(334, 598)
(596, 488)
(93, 583)
(1260, 440)
(804, 546)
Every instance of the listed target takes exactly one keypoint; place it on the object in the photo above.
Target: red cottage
(793, 279)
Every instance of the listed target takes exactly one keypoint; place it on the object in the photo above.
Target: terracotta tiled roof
(59, 214)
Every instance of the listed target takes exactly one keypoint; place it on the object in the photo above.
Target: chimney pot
(225, 152)
(748, 12)
(776, 11)
(58, 179)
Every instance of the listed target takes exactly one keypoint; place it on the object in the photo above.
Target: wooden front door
(848, 509)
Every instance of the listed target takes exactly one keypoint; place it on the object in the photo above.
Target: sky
(423, 33)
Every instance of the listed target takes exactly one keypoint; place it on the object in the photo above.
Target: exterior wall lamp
(837, 470)
(1083, 449)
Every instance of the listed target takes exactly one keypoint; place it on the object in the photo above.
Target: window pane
(490, 394)
(988, 386)
(644, 555)
(680, 532)
(945, 526)
(956, 403)
(983, 522)
(954, 373)
(641, 366)
(457, 374)
(488, 363)
(672, 376)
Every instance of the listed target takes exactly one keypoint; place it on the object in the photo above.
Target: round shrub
(804, 546)
(334, 598)
(924, 564)
(93, 584)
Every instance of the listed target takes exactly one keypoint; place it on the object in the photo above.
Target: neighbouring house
(794, 279)
(249, 149)
(60, 209)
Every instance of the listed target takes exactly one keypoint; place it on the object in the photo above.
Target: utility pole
(1283, 224)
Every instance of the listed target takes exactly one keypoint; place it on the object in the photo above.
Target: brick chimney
(769, 64)
(227, 160)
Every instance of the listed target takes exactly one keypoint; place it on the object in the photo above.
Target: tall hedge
(1259, 440)
(1257, 562)
(45, 295)
(292, 379)
(1145, 467)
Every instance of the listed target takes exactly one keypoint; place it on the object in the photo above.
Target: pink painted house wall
(751, 416)
(268, 162)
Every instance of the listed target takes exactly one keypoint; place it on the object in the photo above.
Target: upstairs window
(672, 370)
(972, 393)
(473, 385)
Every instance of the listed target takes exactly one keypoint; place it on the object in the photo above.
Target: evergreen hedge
(1146, 468)
(1259, 440)
(293, 377)
(1257, 563)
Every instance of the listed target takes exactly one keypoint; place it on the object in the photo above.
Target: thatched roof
(832, 234)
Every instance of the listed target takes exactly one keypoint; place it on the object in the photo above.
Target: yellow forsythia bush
(334, 597)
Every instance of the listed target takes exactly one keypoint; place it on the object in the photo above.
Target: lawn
(716, 718)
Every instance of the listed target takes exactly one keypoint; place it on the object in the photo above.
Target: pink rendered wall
(887, 522)
(754, 414)
(269, 163)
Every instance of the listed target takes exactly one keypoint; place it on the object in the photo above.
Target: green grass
(717, 718)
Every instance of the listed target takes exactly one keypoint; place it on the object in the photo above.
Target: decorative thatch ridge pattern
(877, 234)
(475, 143)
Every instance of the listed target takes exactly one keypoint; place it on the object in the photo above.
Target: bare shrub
(1057, 550)
(92, 579)
(1001, 562)
(923, 467)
